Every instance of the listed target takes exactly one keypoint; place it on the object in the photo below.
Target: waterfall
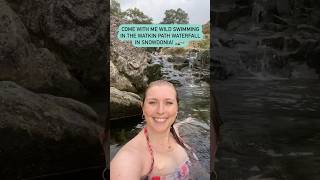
(190, 77)
(187, 76)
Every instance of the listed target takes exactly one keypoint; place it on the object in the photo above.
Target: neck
(160, 140)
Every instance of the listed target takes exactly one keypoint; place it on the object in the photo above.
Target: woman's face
(160, 107)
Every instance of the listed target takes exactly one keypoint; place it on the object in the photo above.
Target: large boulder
(32, 67)
(124, 104)
(74, 32)
(44, 134)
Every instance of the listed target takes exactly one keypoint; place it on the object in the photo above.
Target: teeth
(160, 119)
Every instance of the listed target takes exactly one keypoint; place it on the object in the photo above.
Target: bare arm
(126, 165)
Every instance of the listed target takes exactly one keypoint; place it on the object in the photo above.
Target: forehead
(161, 91)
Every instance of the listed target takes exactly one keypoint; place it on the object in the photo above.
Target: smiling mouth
(160, 120)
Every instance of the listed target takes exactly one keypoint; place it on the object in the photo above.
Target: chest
(167, 163)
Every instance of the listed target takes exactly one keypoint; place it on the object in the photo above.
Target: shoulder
(125, 165)
(128, 162)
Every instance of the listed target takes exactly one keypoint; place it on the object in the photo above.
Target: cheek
(173, 111)
(148, 110)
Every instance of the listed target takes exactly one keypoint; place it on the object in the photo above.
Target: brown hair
(172, 130)
(158, 83)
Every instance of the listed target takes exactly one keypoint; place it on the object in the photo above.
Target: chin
(160, 127)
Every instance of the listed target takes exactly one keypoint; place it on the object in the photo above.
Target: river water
(193, 106)
(271, 129)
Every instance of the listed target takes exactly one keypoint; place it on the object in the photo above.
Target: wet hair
(172, 130)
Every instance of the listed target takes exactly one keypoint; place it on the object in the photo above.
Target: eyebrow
(157, 99)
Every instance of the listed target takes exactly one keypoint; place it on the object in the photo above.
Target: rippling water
(271, 129)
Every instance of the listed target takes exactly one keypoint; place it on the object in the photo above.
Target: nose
(161, 108)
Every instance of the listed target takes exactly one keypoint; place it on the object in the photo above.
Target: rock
(270, 26)
(34, 68)
(176, 59)
(241, 24)
(124, 104)
(274, 41)
(153, 72)
(120, 81)
(203, 59)
(73, 31)
(130, 72)
(179, 66)
(43, 134)
(129, 61)
(302, 53)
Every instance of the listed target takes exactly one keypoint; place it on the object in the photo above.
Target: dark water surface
(271, 129)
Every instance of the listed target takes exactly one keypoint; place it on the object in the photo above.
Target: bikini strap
(149, 148)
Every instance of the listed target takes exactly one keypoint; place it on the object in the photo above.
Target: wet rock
(176, 59)
(175, 82)
(124, 104)
(179, 66)
(43, 134)
(203, 59)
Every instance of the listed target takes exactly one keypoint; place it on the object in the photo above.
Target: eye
(169, 102)
(151, 102)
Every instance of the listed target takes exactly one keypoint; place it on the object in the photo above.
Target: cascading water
(189, 74)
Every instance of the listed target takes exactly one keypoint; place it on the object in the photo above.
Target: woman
(157, 152)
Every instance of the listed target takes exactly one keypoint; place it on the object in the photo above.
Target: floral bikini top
(181, 172)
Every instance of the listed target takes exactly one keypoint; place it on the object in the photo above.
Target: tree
(135, 16)
(115, 8)
(178, 16)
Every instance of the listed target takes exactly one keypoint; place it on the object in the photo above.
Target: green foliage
(135, 16)
(178, 16)
(115, 8)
